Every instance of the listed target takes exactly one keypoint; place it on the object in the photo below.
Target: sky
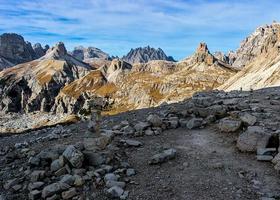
(116, 26)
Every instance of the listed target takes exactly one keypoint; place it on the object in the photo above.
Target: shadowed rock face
(14, 50)
(143, 55)
(39, 50)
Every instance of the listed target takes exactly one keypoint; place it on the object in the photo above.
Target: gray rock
(115, 191)
(131, 143)
(149, 132)
(264, 158)
(69, 193)
(128, 130)
(57, 164)
(163, 157)
(35, 185)
(74, 156)
(252, 139)
(195, 123)
(124, 195)
(112, 183)
(37, 175)
(141, 126)
(229, 125)
(35, 194)
(110, 177)
(54, 188)
(248, 119)
(10, 183)
(130, 172)
(155, 120)
(68, 179)
(266, 151)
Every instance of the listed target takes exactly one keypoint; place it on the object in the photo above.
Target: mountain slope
(143, 55)
(33, 86)
(260, 55)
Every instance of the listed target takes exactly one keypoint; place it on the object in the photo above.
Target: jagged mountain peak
(58, 51)
(88, 53)
(146, 54)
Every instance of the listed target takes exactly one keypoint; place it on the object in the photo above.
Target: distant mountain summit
(146, 54)
(88, 53)
(15, 50)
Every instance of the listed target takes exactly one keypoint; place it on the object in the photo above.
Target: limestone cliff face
(260, 57)
(258, 43)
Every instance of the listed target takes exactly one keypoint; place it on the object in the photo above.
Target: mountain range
(55, 80)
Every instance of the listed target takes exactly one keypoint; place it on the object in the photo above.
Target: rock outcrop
(146, 54)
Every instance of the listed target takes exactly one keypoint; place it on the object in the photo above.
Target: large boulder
(54, 188)
(74, 156)
(229, 125)
(155, 120)
(255, 137)
(195, 123)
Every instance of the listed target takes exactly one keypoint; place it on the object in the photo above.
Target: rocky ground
(216, 145)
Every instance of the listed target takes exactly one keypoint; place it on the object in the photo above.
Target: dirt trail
(208, 166)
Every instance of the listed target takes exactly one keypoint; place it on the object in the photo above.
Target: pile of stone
(72, 172)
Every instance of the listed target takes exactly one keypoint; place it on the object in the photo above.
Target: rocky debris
(143, 55)
(229, 125)
(165, 156)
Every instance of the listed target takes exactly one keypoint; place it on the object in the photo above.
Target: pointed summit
(202, 48)
(57, 52)
(202, 54)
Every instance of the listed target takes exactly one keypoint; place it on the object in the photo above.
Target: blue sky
(116, 26)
